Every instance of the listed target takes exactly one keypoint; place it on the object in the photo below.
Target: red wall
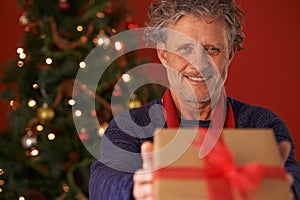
(264, 74)
(9, 37)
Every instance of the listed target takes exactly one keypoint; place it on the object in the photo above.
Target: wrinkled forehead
(190, 29)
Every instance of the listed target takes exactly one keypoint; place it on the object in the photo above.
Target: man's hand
(285, 149)
(142, 178)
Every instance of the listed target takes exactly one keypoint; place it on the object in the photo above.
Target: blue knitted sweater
(111, 176)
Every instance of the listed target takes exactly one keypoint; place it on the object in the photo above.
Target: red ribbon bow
(244, 178)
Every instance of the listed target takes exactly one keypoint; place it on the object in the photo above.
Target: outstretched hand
(142, 178)
(285, 149)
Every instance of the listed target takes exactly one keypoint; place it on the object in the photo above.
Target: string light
(28, 141)
(31, 103)
(102, 39)
(71, 102)
(82, 65)
(13, 104)
(48, 61)
(35, 86)
(20, 50)
(22, 55)
(118, 45)
(32, 152)
(20, 64)
(77, 113)
(51, 136)
(79, 28)
(39, 127)
(126, 78)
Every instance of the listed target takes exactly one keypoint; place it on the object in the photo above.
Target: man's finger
(141, 177)
(285, 149)
(147, 149)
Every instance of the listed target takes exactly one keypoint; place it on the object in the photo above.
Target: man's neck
(192, 111)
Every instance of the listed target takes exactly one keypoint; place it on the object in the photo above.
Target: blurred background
(43, 45)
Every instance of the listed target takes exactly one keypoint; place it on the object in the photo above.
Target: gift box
(244, 164)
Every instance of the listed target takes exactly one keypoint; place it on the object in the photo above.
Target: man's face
(196, 54)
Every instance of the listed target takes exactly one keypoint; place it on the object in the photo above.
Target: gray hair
(164, 13)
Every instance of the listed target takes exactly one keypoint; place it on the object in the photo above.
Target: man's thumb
(146, 150)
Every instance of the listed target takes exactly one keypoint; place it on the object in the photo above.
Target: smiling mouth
(198, 79)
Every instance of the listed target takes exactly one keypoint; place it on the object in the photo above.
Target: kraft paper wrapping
(172, 148)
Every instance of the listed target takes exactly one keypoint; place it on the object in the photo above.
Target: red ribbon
(244, 178)
(219, 169)
(221, 174)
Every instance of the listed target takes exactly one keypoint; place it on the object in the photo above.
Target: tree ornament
(134, 102)
(64, 5)
(28, 141)
(45, 113)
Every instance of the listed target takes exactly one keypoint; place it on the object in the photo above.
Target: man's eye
(184, 49)
(213, 51)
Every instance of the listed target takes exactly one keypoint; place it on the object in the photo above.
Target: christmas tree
(42, 156)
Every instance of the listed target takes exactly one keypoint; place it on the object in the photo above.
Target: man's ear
(161, 53)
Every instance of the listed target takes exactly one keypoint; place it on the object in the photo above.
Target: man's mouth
(198, 79)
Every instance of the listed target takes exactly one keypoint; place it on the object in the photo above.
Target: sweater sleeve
(282, 133)
(248, 116)
(109, 184)
(111, 176)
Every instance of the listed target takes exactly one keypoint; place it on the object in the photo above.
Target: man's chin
(193, 98)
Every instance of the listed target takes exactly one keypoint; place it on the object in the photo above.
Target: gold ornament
(45, 114)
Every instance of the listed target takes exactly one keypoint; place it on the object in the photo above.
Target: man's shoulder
(143, 115)
(247, 115)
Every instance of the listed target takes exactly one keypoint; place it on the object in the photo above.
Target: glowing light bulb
(79, 28)
(22, 56)
(48, 61)
(39, 127)
(35, 86)
(126, 78)
(51, 136)
(31, 103)
(34, 152)
(20, 50)
(20, 64)
(118, 46)
(82, 65)
(77, 113)
(71, 102)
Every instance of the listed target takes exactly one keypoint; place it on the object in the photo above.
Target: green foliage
(51, 31)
